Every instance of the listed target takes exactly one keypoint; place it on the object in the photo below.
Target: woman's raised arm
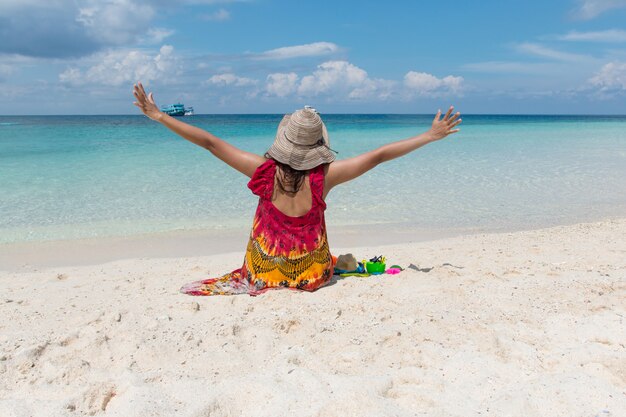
(242, 161)
(351, 168)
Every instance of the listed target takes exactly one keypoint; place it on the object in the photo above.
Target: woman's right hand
(146, 103)
(446, 126)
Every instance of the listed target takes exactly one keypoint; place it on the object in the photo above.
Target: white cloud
(69, 28)
(115, 22)
(309, 49)
(374, 88)
(156, 35)
(11, 64)
(426, 84)
(281, 84)
(342, 80)
(588, 9)
(118, 67)
(229, 79)
(217, 16)
(332, 75)
(542, 51)
(610, 78)
(612, 35)
(7, 6)
(77, 28)
(5, 71)
(71, 76)
(40, 28)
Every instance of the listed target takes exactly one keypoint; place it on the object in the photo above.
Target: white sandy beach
(514, 324)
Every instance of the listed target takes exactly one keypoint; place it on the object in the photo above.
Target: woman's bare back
(296, 204)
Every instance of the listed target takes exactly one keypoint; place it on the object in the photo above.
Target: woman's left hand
(445, 126)
(146, 103)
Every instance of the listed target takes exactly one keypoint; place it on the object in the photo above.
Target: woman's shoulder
(263, 178)
(265, 165)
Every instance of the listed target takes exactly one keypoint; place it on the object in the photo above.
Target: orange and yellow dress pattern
(283, 251)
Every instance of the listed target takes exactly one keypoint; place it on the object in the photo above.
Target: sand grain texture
(526, 323)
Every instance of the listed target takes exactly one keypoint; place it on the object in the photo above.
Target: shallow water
(64, 177)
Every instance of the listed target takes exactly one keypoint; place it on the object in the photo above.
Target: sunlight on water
(83, 176)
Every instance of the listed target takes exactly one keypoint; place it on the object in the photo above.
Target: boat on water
(177, 109)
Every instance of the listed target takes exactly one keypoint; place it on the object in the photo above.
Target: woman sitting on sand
(288, 246)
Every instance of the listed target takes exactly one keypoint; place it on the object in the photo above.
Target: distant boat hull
(177, 110)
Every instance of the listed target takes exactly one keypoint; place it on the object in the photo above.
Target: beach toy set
(347, 266)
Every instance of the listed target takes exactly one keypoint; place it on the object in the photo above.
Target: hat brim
(296, 157)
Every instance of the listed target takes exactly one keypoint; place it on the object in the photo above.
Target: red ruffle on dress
(283, 251)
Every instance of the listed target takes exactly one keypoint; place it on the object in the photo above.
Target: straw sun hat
(302, 141)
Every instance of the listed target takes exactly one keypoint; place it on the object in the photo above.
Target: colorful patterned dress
(283, 251)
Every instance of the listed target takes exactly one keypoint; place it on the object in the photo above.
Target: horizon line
(330, 114)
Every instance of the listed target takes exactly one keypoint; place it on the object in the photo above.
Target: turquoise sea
(65, 177)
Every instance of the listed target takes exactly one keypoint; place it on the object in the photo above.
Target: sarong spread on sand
(283, 251)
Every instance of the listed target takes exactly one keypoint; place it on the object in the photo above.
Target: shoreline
(33, 255)
(514, 323)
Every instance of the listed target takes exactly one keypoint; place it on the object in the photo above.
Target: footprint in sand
(95, 399)
(406, 390)
(286, 326)
(68, 339)
(27, 358)
(215, 409)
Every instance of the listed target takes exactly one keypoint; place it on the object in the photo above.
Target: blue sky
(268, 56)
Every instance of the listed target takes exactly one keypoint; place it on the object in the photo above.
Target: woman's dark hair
(292, 179)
